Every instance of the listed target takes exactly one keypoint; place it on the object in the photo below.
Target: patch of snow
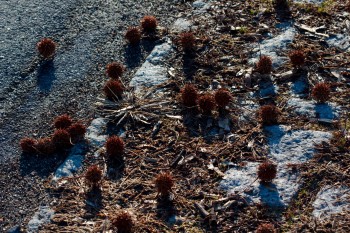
(267, 89)
(42, 216)
(95, 132)
(311, 108)
(340, 41)
(299, 87)
(182, 25)
(224, 123)
(310, 1)
(271, 47)
(200, 6)
(331, 200)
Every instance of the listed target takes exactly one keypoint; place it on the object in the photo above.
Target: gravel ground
(89, 34)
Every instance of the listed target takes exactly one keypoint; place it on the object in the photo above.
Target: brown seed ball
(115, 147)
(164, 183)
(45, 146)
(187, 41)
(269, 114)
(133, 35)
(264, 65)
(115, 70)
(297, 58)
(77, 130)
(321, 92)
(149, 23)
(223, 97)
(207, 103)
(46, 47)
(61, 139)
(189, 95)
(267, 171)
(266, 228)
(123, 222)
(62, 122)
(113, 90)
(93, 176)
(28, 145)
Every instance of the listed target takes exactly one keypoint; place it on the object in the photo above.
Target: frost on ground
(95, 132)
(42, 216)
(299, 88)
(310, 1)
(331, 200)
(153, 71)
(340, 41)
(285, 147)
(181, 25)
(271, 47)
(311, 108)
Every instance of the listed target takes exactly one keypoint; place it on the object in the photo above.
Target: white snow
(42, 216)
(95, 132)
(182, 25)
(341, 41)
(200, 6)
(331, 200)
(310, 1)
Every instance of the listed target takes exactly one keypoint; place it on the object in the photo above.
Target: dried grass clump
(115, 147)
(46, 47)
(164, 183)
(266, 228)
(297, 58)
(187, 41)
(264, 65)
(61, 139)
(133, 35)
(93, 176)
(149, 23)
(269, 114)
(45, 146)
(207, 103)
(321, 92)
(123, 221)
(267, 171)
(115, 70)
(62, 122)
(28, 145)
(339, 140)
(189, 95)
(223, 97)
(113, 90)
(77, 131)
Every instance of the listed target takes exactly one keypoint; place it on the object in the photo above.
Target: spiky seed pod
(207, 103)
(93, 176)
(267, 171)
(46, 47)
(133, 35)
(297, 58)
(61, 139)
(266, 228)
(149, 23)
(115, 70)
(115, 147)
(189, 95)
(164, 183)
(264, 65)
(62, 122)
(123, 221)
(113, 90)
(321, 92)
(187, 41)
(269, 114)
(77, 130)
(45, 146)
(223, 97)
(28, 145)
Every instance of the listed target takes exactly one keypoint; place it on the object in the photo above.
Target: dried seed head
(115, 147)
(77, 131)
(62, 122)
(46, 47)
(45, 146)
(223, 97)
(93, 176)
(297, 58)
(321, 92)
(61, 139)
(189, 95)
(269, 114)
(149, 23)
(115, 70)
(187, 41)
(133, 35)
(124, 222)
(164, 183)
(264, 65)
(267, 171)
(28, 145)
(207, 103)
(113, 90)
(266, 228)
